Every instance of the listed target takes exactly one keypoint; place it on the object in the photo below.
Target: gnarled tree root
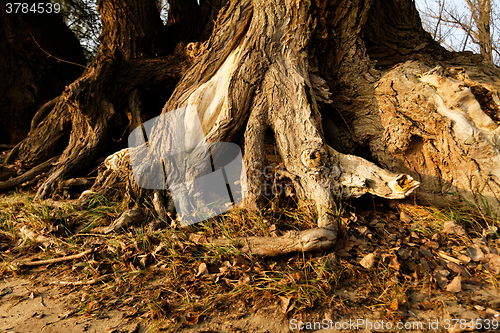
(11, 183)
(357, 176)
(317, 239)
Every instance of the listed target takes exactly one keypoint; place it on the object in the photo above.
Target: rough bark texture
(441, 125)
(28, 76)
(396, 116)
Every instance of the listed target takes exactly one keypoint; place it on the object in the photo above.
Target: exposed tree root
(317, 239)
(42, 112)
(39, 169)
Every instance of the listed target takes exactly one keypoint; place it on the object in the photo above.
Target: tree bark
(257, 75)
(452, 150)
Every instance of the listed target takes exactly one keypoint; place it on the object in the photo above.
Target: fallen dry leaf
(202, 269)
(394, 264)
(5, 291)
(287, 304)
(458, 269)
(432, 244)
(492, 312)
(440, 276)
(240, 261)
(455, 285)
(299, 276)
(349, 244)
(493, 262)
(424, 264)
(245, 279)
(440, 270)
(273, 230)
(464, 259)
(426, 253)
(404, 253)
(362, 230)
(475, 253)
(198, 238)
(450, 227)
(368, 261)
(404, 217)
(474, 280)
(192, 319)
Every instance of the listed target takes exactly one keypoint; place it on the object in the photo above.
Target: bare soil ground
(33, 305)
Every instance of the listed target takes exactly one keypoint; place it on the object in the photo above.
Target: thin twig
(80, 283)
(95, 280)
(58, 59)
(89, 234)
(56, 260)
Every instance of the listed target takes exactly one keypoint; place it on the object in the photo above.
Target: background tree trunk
(29, 77)
(94, 112)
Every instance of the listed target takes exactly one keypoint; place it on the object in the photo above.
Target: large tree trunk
(314, 78)
(258, 75)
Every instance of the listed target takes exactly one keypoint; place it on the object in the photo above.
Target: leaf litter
(398, 263)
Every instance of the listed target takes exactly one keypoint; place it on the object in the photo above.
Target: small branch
(56, 260)
(89, 235)
(81, 283)
(317, 239)
(58, 59)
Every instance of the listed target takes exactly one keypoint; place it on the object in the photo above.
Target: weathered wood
(56, 260)
(308, 240)
(256, 76)
(440, 132)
